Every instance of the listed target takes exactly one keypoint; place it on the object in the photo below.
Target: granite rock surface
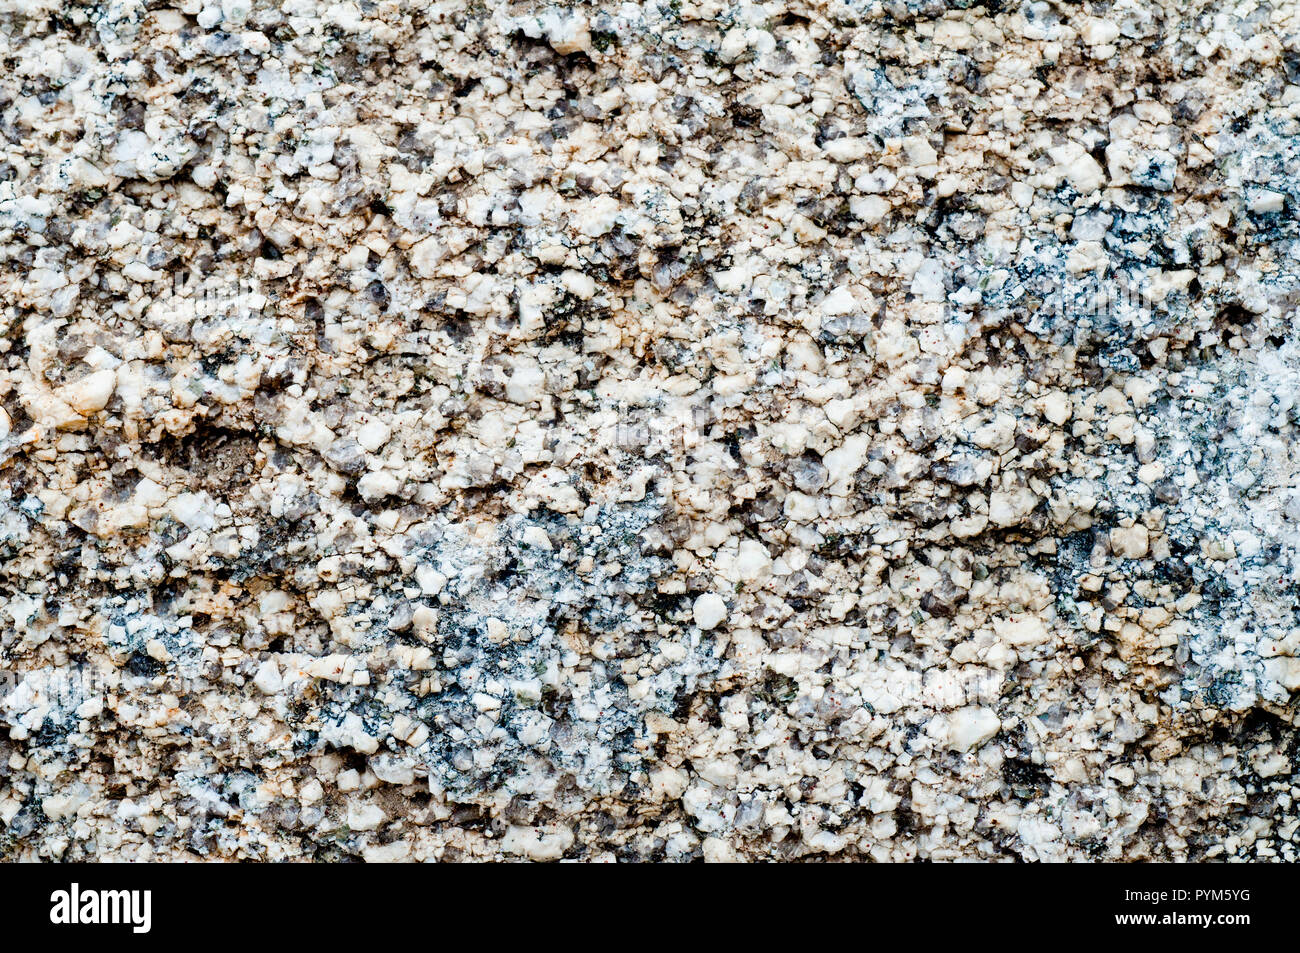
(677, 430)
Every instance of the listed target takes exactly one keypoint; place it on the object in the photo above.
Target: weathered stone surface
(649, 431)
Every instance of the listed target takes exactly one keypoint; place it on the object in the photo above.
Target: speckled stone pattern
(849, 430)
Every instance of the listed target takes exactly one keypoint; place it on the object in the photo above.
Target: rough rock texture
(847, 430)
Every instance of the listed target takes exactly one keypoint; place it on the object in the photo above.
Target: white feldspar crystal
(971, 727)
(91, 393)
(710, 611)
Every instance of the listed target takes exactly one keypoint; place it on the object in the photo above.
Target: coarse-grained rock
(859, 429)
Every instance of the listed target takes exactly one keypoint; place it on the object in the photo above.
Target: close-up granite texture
(660, 431)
